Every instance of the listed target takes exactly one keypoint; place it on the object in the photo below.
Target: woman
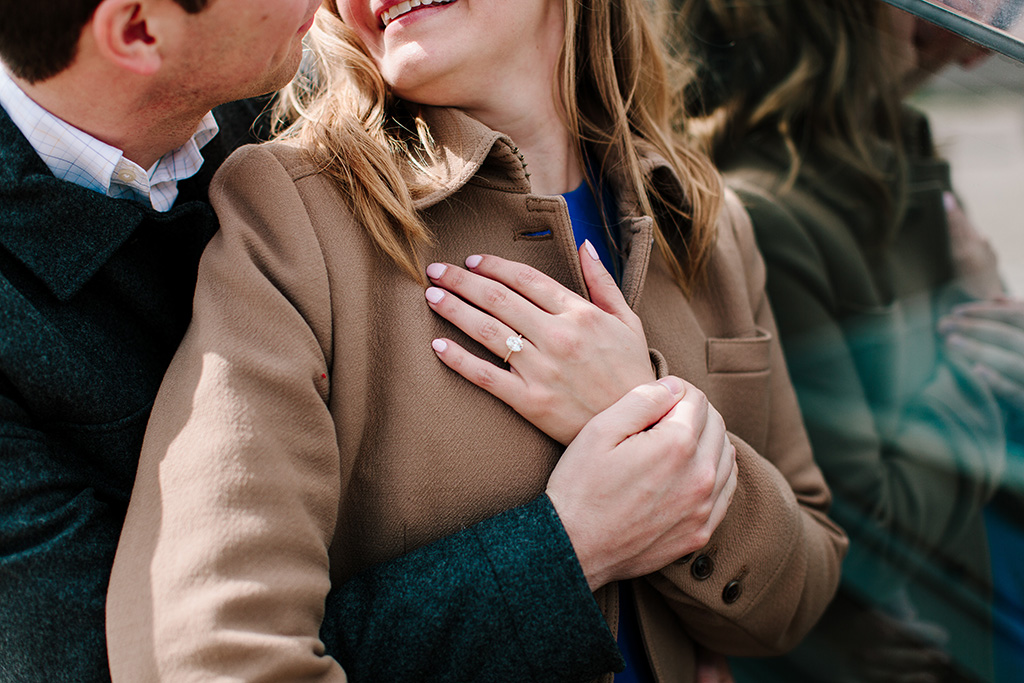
(308, 430)
(866, 254)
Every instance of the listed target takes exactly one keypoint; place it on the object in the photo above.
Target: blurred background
(977, 118)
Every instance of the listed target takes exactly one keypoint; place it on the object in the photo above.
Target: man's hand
(646, 481)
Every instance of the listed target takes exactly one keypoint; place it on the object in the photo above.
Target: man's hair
(40, 39)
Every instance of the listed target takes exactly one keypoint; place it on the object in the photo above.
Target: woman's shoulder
(250, 162)
(735, 257)
(276, 187)
(771, 214)
(273, 175)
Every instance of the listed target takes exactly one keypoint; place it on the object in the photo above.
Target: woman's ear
(124, 35)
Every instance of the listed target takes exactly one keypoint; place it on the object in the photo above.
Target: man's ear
(124, 36)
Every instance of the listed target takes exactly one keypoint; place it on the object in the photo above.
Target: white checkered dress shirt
(79, 158)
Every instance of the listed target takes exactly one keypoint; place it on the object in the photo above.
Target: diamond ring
(514, 343)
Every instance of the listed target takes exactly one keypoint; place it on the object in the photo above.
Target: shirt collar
(77, 157)
(64, 233)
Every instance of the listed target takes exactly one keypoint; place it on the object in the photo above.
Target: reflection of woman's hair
(811, 71)
(613, 85)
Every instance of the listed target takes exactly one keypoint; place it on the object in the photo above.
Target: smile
(406, 6)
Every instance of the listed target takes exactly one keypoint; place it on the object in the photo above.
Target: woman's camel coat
(306, 429)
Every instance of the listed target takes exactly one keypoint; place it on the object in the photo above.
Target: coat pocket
(739, 384)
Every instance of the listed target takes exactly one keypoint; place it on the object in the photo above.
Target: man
(103, 216)
(98, 249)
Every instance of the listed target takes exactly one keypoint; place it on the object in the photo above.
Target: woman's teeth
(407, 6)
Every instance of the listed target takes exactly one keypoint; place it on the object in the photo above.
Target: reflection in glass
(905, 349)
(994, 24)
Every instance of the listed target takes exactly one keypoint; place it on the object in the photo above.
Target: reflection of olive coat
(306, 429)
(911, 446)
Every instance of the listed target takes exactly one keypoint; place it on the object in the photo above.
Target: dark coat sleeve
(502, 600)
(57, 540)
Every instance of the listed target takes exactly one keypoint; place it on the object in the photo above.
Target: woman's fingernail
(673, 384)
(473, 261)
(439, 345)
(590, 250)
(434, 294)
(436, 270)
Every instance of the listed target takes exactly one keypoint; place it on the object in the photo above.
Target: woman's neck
(553, 166)
(539, 132)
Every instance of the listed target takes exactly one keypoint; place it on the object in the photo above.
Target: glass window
(879, 149)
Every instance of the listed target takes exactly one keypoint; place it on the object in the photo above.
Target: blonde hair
(613, 86)
(813, 72)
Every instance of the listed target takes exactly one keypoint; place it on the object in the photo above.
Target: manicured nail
(434, 294)
(436, 270)
(473, 261)
(591, 250)
(673, 384)
(439, 345)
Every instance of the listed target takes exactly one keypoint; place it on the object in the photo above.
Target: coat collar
(469, 151)
(61, 232)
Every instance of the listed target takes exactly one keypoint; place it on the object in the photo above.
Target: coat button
(686, 558)
(702, 567)
(731, 593)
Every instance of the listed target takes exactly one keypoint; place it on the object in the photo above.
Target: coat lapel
(59, 231)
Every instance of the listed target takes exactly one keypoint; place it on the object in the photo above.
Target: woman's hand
(988, 336)
(577, 358)
(646, 482)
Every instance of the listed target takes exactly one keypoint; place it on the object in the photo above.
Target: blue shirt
(588, 223)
